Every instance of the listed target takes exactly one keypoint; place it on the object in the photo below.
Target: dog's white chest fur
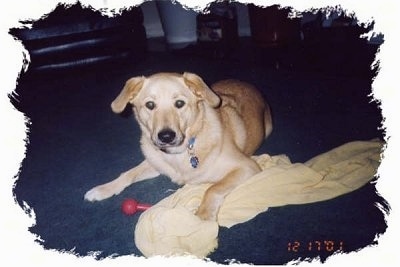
(179, 168)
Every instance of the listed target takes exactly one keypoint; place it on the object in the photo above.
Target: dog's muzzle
(169, 141)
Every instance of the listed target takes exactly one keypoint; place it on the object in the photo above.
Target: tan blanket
(171, 228)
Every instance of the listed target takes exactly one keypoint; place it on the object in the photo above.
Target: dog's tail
(267, 121)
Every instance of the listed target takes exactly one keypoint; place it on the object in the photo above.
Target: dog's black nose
(166, 136)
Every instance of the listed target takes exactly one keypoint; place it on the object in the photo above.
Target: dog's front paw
(98, 193)
(207, 213)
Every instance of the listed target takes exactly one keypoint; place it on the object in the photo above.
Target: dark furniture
(75, 36)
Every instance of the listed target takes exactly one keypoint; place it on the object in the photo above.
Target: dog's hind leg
(267, 121)
(141, 172)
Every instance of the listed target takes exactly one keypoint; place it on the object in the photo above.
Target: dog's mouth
(172, 149)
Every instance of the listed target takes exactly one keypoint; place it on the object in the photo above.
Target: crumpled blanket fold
(171, 228)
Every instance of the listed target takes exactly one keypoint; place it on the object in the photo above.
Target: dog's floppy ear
(200, 89)
(130, 90)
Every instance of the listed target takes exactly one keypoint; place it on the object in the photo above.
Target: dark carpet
(320, 99)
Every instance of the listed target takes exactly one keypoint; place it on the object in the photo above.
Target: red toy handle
(131, 206)
(142, 207)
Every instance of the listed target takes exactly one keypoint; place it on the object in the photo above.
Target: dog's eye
(179, 103)
(150, 105)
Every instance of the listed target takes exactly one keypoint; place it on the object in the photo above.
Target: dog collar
(193, 159)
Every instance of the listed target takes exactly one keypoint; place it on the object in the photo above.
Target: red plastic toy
(130, 206)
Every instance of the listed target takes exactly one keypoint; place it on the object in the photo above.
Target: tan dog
(193, 134)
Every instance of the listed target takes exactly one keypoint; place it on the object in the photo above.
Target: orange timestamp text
(315, 245)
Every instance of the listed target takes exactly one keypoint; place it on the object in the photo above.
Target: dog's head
(166, 105)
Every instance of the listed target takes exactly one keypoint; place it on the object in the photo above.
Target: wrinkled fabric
(171, 228)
